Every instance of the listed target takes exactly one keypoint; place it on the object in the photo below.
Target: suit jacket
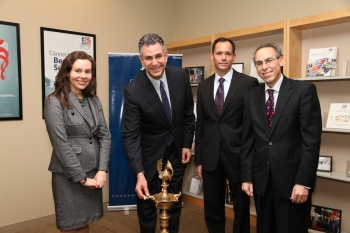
(291, 151)
(213, 130)
(78, 147)
(146, 127)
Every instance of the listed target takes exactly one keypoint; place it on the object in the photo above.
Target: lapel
(152, 96)
(260, 107)
(234, 85)
(210, 93)
(74, 100)
(283, 97)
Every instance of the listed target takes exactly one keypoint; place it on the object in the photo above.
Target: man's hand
(141, 186)
(199, 171)
(299, 194)
(186, 155)
(247, 187)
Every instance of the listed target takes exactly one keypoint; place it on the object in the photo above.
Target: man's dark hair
(223, 39)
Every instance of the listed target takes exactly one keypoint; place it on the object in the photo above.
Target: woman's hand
(89, 183)
(100, 179)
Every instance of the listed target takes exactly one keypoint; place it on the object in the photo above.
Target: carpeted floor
(192, 221)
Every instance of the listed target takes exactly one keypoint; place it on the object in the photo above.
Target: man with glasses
(281, 143)
(219, 138)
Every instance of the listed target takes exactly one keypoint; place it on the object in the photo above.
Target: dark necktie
(270, 109)
(219, 98)
(166, 106)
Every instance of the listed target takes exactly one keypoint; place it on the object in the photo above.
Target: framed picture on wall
(196, 74)
(10, 72)
(325, 219)
(324, 163)
(55, 46)
(239, 67)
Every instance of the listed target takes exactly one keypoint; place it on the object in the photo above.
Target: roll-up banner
(123, 67)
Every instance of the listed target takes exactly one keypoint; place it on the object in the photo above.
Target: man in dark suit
(219, 138)
(281, 143)
(158, 124)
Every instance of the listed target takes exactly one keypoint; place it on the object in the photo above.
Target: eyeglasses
(268, 61)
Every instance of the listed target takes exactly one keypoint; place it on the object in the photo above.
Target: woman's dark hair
(62, 84)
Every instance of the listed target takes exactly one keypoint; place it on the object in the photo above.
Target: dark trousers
(214, 189)
(278, 215)
(146, 209)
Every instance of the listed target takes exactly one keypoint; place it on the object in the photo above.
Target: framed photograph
(55, 46)
(239, 67)
(10, 72)
(348, 169)
(228, 195)
(324, 163)
(325, 219)
(196, 74)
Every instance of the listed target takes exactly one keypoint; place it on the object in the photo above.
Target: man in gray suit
(158, 124)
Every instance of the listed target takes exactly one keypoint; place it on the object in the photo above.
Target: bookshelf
(296, 37)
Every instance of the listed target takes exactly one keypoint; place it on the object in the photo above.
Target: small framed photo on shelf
(325, 219)
(324, 163)
(196, 74)
(348, 169)
(239, 67)
(228, 195)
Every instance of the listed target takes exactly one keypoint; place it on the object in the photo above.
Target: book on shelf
(339, 116)
(322, 62)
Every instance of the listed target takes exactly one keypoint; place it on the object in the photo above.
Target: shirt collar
(227, 77)
(156, 82)
(277, 85)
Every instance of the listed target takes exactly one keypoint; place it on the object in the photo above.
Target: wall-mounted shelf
(335, 78)
(329, 130)
(334, 176)
(330, 89)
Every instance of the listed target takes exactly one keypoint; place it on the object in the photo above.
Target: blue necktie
(166, 106)
(219, 98)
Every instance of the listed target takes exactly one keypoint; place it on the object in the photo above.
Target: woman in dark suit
(81, 144)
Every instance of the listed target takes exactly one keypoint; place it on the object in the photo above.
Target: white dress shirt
(228, 78)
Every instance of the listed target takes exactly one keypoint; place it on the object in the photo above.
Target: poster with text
(10, 72)
(55, 46)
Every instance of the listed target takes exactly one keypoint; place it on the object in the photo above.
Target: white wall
(24, 145)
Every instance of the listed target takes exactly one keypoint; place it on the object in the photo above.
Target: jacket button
(270, 143)
(90, 142)
(268, 163)
(90, 138)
